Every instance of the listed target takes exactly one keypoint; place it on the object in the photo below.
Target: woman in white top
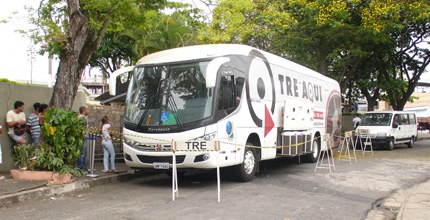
(108, 150)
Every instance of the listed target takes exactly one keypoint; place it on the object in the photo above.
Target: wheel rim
(249, 162)
(315, 149)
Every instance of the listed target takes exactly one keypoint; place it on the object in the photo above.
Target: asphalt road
(282, 190)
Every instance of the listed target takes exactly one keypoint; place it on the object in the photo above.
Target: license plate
(161, 166)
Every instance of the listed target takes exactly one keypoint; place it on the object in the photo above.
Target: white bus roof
(216, 50)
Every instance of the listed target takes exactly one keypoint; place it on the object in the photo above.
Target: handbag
(19, 129)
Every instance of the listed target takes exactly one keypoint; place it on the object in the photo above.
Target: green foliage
(73, 30)
(367, 46)
(8, 81)
(22, 155)
(154, 31)
(63, 134)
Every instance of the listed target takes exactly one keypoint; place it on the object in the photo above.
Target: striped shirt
(33, 122)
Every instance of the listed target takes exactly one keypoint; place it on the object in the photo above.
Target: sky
(14, 59)
(15, 63)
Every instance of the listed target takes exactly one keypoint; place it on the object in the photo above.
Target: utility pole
(31, 53)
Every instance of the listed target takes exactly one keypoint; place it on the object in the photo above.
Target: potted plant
(24, 159)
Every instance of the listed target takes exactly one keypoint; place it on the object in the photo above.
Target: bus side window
(230, 91)
(238, 89)
(226, 97)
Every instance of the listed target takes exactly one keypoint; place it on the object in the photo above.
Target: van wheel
(313, 157)
(246, 170)
(390, 144)
(411, 144)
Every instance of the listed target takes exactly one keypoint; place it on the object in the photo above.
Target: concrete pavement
(404, 204)
(13, 191)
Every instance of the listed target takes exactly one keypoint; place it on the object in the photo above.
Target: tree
(155, 31)
(74, 29)
(355, 42)
(400, 30)
(411, 34)
(114, 50)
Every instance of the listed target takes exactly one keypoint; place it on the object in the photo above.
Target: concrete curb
(51, 190)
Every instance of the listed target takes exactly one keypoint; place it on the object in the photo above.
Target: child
(107, 146)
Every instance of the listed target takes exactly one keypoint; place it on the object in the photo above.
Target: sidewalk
(416, 203)
(13, 191)
(405, 204)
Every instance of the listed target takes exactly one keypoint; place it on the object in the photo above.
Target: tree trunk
(82, 43)
(66, 86)
(371, 100)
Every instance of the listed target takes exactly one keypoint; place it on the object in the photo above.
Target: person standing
(15, 120)
(356, 121)
(108, 150)
(42, 109)
(83, 115)
(34, 125)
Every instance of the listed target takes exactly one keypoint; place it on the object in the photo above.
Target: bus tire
(246, 170)
(313, 157)
(411, 144)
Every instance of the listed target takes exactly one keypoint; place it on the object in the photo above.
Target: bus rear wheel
(246, 170)
(313, 157)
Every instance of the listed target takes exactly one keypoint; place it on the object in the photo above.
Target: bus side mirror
(212, 70)
(114, 75)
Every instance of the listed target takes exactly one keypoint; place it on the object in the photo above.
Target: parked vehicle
(389, 128)
(256, 105)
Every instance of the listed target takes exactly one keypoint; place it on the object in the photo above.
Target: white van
(389, 128)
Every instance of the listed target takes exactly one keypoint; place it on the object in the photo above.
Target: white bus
(234, 94)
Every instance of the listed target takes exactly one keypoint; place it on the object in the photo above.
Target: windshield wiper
(152, 102)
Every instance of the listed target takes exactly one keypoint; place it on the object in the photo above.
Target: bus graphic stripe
(258, 121)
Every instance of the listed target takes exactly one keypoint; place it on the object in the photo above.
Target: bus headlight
(206, 156)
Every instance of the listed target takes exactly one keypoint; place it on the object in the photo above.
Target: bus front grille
(160, 159)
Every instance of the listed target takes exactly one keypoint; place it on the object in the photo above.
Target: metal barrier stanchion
(209, 146)
(92, 144)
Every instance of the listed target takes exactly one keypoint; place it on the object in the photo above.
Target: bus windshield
(376, 119)
(172, 94)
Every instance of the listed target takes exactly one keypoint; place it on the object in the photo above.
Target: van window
(404, 119)
(412, 119)
(376, 119)
(396, 119)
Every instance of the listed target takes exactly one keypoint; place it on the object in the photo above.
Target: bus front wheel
(246, 170)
